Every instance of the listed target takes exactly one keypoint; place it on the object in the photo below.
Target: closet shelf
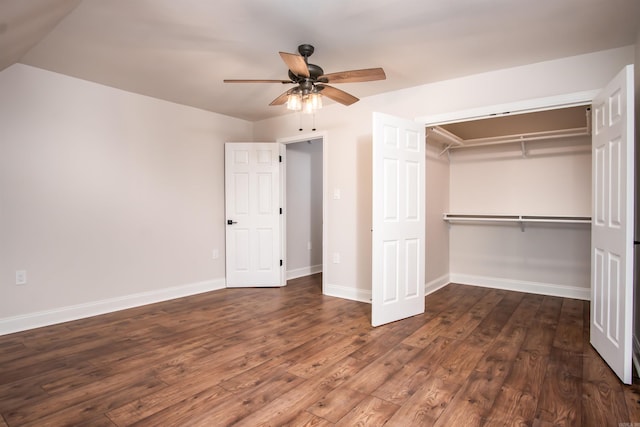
(455, 142)
(521, 219)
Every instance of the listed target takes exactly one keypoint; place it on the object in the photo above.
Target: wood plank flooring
(291, 356)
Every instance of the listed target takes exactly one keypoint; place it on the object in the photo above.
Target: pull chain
(313, 123)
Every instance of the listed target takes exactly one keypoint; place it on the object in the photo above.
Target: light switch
(21, 277)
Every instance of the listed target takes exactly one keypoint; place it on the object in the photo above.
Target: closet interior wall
(437, 231)
(551, 178)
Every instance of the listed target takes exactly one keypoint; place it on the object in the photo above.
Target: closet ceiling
(181, 51)
(518, 124)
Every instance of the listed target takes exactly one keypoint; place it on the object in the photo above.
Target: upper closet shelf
(521, 219)
(522, 139)
(520, 129)
(454, 142)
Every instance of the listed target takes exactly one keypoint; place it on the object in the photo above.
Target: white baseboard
(564, 291)
(437, 283)
(39, 319)
(552, 289)
(304, 271)
(360, 295)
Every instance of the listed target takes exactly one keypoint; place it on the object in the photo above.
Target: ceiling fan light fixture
(311, 103)
(307, 103)
(294, 101)
(315, 99)
(307, 106)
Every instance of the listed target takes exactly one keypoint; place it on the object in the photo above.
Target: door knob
(229, 222)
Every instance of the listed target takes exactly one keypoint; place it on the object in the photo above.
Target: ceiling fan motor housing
(306, 84)
(315, 71)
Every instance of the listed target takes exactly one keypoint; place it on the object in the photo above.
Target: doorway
(518, 210)
(304, 187)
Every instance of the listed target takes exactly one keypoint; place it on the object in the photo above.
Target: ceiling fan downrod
(306, 50)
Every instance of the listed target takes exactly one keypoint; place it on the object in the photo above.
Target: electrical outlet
(215, 254)
(21, 277)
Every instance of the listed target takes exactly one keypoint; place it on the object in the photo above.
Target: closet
(517, 212)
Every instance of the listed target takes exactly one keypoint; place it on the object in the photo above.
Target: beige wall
(437, 175)
(554, 179)
(107, 198)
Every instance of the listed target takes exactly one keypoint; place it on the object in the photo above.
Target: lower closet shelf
(521, 219)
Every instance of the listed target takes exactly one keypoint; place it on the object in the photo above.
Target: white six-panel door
(612, 224)
(398, 219)
(252, 207)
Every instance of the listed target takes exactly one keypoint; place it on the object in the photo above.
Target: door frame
(324, 137)
(574, 99)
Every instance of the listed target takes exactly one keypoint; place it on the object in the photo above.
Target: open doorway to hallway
(304, 207)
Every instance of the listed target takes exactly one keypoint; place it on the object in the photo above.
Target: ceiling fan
(311, 82)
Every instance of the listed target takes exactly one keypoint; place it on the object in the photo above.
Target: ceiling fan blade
(255, 81)
(354, 76)
(280, 100)
(337, 95)
(295, 63)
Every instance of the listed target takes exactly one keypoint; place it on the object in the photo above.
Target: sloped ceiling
(24, 23)
(181, 51)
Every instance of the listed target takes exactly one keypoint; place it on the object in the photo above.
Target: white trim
(435, 284)
(39, 319)
(556, 290)
(517, 107)
(283, 217)
(360, 295)
(304, 271)
(324, 135)
(302, 137)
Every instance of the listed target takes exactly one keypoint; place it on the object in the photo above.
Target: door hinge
(280, 211)
(280, 263)
(280, 159)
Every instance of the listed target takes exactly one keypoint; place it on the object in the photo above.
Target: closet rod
(539, 136)
(520, 219)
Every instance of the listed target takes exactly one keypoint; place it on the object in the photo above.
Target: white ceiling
(182, 50)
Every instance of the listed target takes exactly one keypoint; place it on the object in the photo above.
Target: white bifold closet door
(398, 219)
(612, 224)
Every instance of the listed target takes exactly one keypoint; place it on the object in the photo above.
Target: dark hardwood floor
(292, 356)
